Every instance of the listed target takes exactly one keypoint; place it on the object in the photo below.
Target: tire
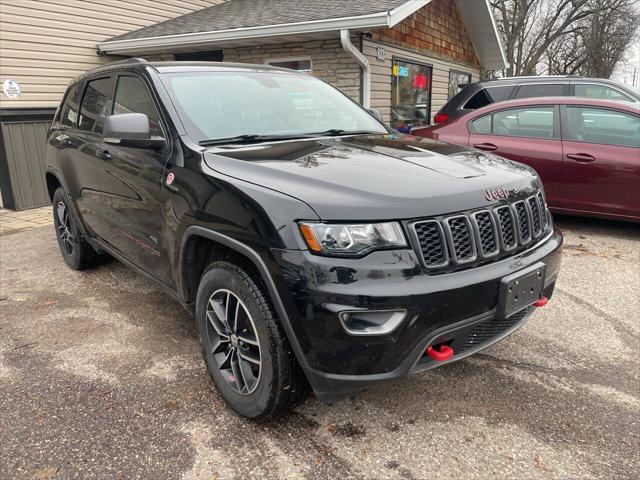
(256, 391)
(75, 250)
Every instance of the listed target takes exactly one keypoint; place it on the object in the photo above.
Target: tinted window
(599, 125)
(536, 122)
(481, 125)
(600, 91)
(95, 105)
(215, 105)
(487, 96)
(69, 111)
(540, 90)
(132, 96)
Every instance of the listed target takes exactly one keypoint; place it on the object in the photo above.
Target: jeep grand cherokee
(314, 246)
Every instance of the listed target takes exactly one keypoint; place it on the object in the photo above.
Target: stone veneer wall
(329, 61)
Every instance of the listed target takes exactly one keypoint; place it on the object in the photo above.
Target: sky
(624, 71)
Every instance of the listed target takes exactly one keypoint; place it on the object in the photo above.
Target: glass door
(410, 95)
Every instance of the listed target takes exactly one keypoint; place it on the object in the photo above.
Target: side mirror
(376, 114)
(130, 130)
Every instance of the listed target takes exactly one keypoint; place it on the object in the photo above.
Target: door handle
(487, 147)
(104, 155)
(581, 157)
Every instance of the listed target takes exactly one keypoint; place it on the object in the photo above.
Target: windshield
(220, 105)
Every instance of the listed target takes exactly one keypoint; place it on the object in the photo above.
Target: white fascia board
(405, 10)
(364, 21)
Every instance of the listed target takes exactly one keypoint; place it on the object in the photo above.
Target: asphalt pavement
(101, 378)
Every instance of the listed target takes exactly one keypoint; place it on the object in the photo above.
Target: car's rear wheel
(75, 250)
(243, 345)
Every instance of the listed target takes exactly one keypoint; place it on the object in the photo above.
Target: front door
(87, 149)
(528, 135)
(131, 193)
(601, 150)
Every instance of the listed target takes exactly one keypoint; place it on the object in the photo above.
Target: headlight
(352, 240)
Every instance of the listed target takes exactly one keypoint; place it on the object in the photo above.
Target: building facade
(404, 58)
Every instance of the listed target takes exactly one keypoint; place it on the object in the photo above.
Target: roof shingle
(234, 14)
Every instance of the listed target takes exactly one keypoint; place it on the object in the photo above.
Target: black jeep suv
(314, 246)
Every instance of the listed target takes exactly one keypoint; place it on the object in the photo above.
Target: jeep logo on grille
(496, 194)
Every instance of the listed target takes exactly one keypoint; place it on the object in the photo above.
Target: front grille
(461, 236)
(432, 245)
(463, 240)
(488, 239)
(507, 229)
(523, 222)
(535, 216)
(485, 331)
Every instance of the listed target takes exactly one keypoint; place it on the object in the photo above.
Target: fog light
(371, 322)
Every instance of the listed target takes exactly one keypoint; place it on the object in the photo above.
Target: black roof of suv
(481, 94)
(313, 245)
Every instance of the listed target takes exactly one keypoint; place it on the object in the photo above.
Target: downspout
(348, 47)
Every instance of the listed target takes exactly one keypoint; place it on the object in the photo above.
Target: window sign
(410, 95)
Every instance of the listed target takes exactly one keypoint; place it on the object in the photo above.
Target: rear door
(131, 193)
(601, 149)
(525, 134)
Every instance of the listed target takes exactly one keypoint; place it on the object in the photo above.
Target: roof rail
(532, 77)
(127, 61)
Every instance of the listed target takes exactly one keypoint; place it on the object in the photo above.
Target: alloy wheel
(64, 228)
(233, 341)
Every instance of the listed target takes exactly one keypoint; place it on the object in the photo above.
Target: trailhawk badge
(496, 194)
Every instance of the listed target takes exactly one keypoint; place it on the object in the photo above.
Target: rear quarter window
(69, 110)
(487, 96)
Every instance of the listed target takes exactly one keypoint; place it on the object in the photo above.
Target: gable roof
(234, 14)
(246, 22)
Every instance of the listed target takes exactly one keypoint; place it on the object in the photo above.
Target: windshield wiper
(336, 132)
(255, 138)
(248, 138)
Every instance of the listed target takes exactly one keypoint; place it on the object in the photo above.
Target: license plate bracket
(520, 290)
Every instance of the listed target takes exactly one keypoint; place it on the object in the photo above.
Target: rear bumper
(458, 308)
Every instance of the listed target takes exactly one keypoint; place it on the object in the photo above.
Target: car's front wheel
(245, 350)
(75, 250)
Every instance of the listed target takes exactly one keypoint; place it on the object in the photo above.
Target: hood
(374, 177)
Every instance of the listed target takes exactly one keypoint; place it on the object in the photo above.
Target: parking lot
(101, 378)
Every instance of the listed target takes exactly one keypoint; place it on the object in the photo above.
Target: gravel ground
(101, 378)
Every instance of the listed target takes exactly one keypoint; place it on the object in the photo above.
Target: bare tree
(610, 32)
(597, 43)
(529, 27)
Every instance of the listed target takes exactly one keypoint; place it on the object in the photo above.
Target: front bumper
(450, 307)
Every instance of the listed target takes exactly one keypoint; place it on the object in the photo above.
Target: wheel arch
(53, 182)
(196, 233)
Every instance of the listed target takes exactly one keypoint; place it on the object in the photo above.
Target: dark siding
(24, 158)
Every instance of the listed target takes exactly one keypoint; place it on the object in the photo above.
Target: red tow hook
(541, 302)
(444, 353)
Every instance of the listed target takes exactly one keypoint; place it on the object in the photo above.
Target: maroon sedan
(586, 151)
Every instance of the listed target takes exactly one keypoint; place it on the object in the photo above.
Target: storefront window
(457, 81)
(410, 95)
